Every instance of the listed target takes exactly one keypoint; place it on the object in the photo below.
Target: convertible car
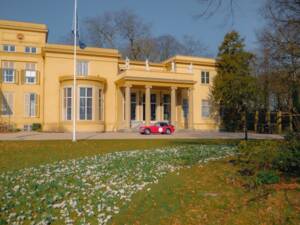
(157, 128)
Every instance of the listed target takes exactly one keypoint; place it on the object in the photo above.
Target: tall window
(100, 104)
(153, 106)
(205, 77)
(167, 106)
(9, 48)
(85, 105)
(82, 68)
(29, 49)
(8, 72)
(133, 106)
(30, 104)
(205, 108)
(30, 73)
(68, 103)
(7, 104)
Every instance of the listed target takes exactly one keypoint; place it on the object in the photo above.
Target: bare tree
(212, 7)
(192, 46)
(132, 28)
(102, 30)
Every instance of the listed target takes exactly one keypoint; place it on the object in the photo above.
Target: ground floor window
(7, 104)
(185, 108)
(167, 106)
(133, 106)
(30, 104)
(85, 103)
(100, 98)
(67, 103)
(205, 108)
(153, 106)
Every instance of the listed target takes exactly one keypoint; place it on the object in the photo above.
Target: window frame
(30, 68)
(30, 48)
(82, 71)
(31, 109)
(7, 104)
(205, 109)
(205, 77)
(65, 104)
(10, 48)
(86, 117)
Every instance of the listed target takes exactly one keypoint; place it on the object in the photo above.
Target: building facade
(112, 93)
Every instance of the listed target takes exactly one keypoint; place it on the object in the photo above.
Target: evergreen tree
(234, 90)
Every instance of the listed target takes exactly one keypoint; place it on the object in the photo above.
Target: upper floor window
(205, 108)
(29, 49)
(82, 68)
(205, 77)
(7, 104)
(9, 48)
(8, 72)
(30, 73)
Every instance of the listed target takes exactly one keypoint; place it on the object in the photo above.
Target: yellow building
(112, 94)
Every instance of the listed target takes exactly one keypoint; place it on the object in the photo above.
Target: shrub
(288, 160)
(267, 177)
(36, 127)
(255, 156)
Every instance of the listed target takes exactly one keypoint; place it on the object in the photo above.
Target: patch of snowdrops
(92, 190)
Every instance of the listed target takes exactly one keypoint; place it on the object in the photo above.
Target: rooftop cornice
(23, 26)
(68, 49)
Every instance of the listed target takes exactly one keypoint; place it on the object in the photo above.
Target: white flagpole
(74, 75)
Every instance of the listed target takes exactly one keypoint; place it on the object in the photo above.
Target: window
(166, 106)
(30, 105)
(205, 108)
(85, 103)
(8, 72)
(30, 73)
(205, 77)
(7, 104)
(67, 103)
(153, 106)
(29, 49)
(9, 48)
(100, 104)
(133, 106)
(82, 68)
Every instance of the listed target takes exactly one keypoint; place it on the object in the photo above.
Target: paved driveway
(132, 135)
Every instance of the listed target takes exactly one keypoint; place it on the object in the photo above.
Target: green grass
(20, 154)
(212, 194)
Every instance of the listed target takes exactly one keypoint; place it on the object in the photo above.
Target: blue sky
(165, 16)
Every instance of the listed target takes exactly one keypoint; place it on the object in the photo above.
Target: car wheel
(168, 131)
(147, 132)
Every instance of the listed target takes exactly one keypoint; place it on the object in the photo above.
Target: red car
(157, 128)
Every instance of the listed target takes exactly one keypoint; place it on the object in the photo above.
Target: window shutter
(26, 104)
(1, 101)
(1, 75)
(10, 102)
(37, 105)
(23, 74)
(37, 77)
(16, 77)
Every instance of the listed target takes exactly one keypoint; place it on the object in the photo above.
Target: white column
(173, 105)
(191, 108)
(127, 106)
(148, 105)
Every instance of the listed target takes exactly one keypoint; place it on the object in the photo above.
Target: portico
(144, 101)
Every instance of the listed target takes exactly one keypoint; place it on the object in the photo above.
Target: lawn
(118, 182)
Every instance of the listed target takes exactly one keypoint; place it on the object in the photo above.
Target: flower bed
(92, 189)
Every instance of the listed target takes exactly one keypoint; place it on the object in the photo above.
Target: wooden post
(279, 122)
(268, 120)
(291, 121)
(256, 120)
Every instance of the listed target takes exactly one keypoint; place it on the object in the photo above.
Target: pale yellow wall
(35, 37)
(56, 61)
